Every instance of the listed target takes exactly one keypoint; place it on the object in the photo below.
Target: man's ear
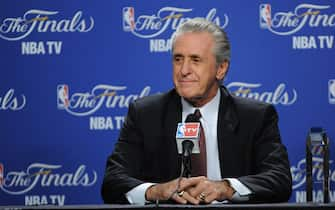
(222, 70)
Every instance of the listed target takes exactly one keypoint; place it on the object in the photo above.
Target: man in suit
(245, 160)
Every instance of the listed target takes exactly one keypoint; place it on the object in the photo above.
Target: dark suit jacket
(250, 147)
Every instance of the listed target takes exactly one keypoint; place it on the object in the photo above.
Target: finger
(202, 186)
(212, 192)
(190, 199)
(179, 199)
(201, 197)
(172, 188)
(190, 182)
(209, 198)
(192, 191)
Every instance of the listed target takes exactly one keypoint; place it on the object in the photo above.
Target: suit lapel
(173, 115)
(227, 124)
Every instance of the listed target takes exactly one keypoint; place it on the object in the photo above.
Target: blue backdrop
(69, 70)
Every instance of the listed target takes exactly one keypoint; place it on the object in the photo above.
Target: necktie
(199, 161)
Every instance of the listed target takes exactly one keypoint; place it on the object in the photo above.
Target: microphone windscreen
(191, 118)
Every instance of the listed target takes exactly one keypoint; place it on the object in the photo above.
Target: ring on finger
(181, 193)
(202, 196)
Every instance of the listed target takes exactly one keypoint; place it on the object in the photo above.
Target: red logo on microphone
(188, 130)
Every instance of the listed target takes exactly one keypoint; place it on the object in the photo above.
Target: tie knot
(197, 114)
(195, 117)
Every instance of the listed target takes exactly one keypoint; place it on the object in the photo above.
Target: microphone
(187, 137)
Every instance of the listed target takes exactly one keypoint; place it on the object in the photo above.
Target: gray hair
(221, 46)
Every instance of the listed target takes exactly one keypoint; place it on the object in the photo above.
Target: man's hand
(206, 191)
(193, 190)
(170, 191)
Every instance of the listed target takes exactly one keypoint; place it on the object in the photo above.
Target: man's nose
(186, 68)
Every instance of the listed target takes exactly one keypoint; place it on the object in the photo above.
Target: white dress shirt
(209, 121)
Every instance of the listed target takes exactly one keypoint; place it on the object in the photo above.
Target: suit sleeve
(123, 167)
(271, 180)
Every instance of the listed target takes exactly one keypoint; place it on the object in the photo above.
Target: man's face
(195, 74)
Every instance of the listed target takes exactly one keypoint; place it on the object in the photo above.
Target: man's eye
(196, 60)
(177, 59)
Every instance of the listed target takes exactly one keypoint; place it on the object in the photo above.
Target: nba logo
(128, 18)
(188, 130)
(331, 91)
(265, 15)
(63, 97)
(180, 130)
(1, 174)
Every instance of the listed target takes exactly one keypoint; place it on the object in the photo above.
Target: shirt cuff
(242, 192)
(137, 194)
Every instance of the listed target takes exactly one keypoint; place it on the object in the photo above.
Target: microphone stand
(186, 161)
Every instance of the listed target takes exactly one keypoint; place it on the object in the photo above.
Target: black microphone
(191, 118)
(188, 131)
(188, 144)
(187, 137)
